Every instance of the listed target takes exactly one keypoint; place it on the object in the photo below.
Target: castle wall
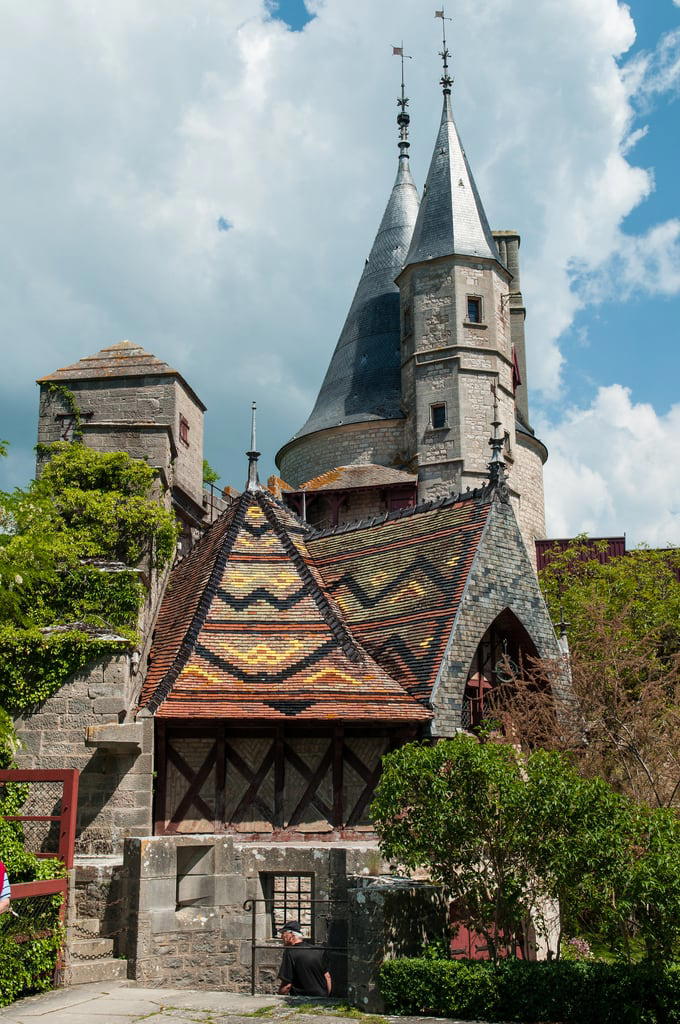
(501, 577)
(378, 441)
(188, 468)
(79, 728)
(527, 479)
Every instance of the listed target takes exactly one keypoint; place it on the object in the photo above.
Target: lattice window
(289, 898)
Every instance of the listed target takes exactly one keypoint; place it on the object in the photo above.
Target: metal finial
(497, 464)
(446, 81)
(403, 119)
(253, 455)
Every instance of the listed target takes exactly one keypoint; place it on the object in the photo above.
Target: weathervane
(403, 119)
(253, 455)
(446, 80)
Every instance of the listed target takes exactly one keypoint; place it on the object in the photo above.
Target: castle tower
(125, 399)
(463, 333)
(357, 419)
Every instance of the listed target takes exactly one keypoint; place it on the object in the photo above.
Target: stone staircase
(91, 955)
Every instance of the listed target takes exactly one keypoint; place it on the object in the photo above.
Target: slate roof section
(451, 219)
(124, 359)
(370, 475)
(363, 380)
(247, 630)
(399, 582)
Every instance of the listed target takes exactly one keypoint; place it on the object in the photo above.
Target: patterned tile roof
(124, 359)
(398, 582)
(247, 629)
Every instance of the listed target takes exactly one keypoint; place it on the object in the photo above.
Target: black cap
(292, 926)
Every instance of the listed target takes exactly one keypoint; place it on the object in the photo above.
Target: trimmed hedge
(568, 992)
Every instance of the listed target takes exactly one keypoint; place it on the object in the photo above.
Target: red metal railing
(64, 821)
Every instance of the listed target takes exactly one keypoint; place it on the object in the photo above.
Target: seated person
(304, 971)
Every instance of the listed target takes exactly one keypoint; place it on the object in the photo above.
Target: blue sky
(207, 179)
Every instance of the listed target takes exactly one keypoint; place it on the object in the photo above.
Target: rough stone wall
(389, 917)
(354, 444)
(188, 468)
(188, 927)
(359, 504)
(447, 359)
(115, 793)
(527, 478)
(501, 577)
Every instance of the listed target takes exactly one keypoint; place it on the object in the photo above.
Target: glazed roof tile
(124, 359)
(247, 629)
(399, 582)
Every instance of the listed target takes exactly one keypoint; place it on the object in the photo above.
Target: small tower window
(184, 430)
(474, 309)
(408, 325)
(438, 415)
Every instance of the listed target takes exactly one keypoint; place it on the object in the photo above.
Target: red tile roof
(398, 583)
(247, 629)
(370, 475)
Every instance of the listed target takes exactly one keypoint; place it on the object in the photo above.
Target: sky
(206, 179)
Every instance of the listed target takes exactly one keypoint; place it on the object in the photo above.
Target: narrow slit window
(184, 430)
(474, 309)
(438, 415)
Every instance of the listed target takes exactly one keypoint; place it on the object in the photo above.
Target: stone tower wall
(527, 480)
(353, 444)
(447, 359)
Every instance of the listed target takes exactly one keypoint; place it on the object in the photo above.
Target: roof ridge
(334, 622)
(198, 618)
(477, 494)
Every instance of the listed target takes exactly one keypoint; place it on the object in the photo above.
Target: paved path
(120, 1002)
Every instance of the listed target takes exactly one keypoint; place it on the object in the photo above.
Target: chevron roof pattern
(399, 583)
(248, 630)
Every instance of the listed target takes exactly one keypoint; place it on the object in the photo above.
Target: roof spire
(497, 477)
(446, 81)
(253, 455)
(403, 119)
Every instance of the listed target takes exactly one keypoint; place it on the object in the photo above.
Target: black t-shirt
(303, 966)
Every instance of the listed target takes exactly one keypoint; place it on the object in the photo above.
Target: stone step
(86, 972)
(94, 946)
(90, 924)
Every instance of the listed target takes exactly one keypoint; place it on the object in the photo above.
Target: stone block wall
(527, 479)
(353, 444)
(501, 577)
(188, 927)
(389, 917)
(115, 795)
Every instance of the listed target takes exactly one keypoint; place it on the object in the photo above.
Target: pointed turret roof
(451, 220)
(363, 381)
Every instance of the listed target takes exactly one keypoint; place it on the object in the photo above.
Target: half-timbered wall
(283, 782)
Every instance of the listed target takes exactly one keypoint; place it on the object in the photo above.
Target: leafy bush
(568, 992)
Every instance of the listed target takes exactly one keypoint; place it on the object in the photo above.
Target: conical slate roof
(363, 381)
(451, 219)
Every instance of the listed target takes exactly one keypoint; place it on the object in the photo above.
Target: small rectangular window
(408, 326)
(184, 430)
(438, 416)
(289, 898)
(474, 310)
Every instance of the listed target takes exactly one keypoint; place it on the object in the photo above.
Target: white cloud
(613, 469)
(656, 72)
(130, 130)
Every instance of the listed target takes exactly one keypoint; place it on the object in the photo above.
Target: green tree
(510, 838)
(86, 508)
(210, 475)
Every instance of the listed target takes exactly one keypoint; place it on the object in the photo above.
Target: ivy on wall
(67, 545)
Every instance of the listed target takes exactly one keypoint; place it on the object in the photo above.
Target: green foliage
(34, 665)
(564, 991)
(508, 837)
(86, 506)
(210, 475)
(639, 594)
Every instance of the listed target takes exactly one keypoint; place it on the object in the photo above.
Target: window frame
(437, 406)
(480, 309)
(184, 429)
